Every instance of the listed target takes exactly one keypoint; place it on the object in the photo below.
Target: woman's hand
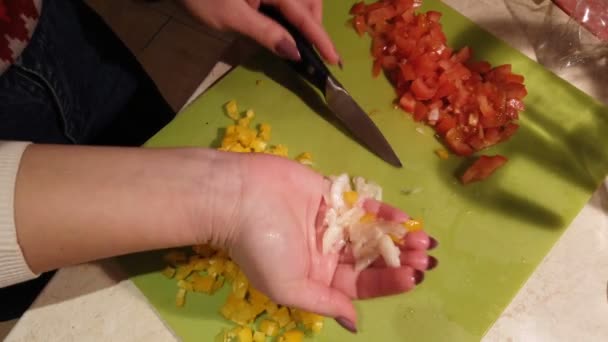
(242, 16)
(277, 245)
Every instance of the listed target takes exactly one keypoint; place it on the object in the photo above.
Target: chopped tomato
(360, 25)
(421, 90)
(482, 168)
(358, 8)
(477, 104)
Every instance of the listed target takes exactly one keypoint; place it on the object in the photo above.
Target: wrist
(215, 207)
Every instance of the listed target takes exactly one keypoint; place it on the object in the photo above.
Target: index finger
(306, 23)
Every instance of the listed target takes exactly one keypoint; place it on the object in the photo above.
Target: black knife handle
(311, 66)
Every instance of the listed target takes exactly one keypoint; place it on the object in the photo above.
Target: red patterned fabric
(18, 18)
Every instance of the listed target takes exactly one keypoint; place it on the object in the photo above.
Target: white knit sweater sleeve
(13, 267)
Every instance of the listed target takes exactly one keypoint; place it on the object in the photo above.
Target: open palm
(278, 245)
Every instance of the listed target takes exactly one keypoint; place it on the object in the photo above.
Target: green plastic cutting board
(492, 234)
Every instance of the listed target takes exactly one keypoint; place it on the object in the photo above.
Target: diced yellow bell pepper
(239, 148)
(259, 336)
(395, 239)
(305, 158)
(264, 132)
(367, 218)
(244, 122)
(350, 197)
(257, 297)
(200, 265)
(183, 272)
(271, 307)
(169, 272)
(292, 336)
(413, 225)
(291, 325)
(245, 334)
(282, 316)
(230, 131)
(180, 298)
(232, 110)
(186, 285)
(279, 150)
(258, 145)
(269, 328)
(203, 283)
(442, 153)
(250, 114)
(316, 326)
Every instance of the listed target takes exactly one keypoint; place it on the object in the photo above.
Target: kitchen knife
(341, 104)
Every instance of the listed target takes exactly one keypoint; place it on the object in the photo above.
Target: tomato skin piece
(455, 140)
(358, 8)
(482, 168)
(421, 90)
(360, 25)
(421, 111)
(407, 102)
(433, 16)
(377, 68)
(445, 123)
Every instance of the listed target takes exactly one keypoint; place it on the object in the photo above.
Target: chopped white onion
(390, 252)
(434, 115)
(339, 186)
(368, 240)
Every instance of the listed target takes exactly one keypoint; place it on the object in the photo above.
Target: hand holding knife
(341, 104)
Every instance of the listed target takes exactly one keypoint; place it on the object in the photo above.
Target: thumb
(326, 301)
(268, 33)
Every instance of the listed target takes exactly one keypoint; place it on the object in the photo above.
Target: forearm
(76, 204)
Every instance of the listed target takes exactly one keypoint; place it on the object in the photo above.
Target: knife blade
(338, 100)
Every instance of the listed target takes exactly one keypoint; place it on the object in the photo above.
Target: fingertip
(433, 243)
(432, 263)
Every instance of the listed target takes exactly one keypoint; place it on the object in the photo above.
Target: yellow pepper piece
(269, 328)
(291, 325)
(183, 272)
(316, 326)
(442, 153)
(258, 145)
(282, 317)
(292, 336)
(257, 297)
(244, 122)
(199, 265)
(250, 114)
(232, 110)
(367, 218)
(245, 334)
(264, 132)
(186, 285)
(305, 158)
(180, 298)
(279, 150)
(350, 197)
(203, 283)
(259, 336)
(169, 272)
(395, 239)
(271, 307)
(413, 225)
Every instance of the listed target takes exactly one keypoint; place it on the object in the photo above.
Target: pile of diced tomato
(470, 104)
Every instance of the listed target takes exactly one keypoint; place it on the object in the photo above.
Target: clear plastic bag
(564, 33)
